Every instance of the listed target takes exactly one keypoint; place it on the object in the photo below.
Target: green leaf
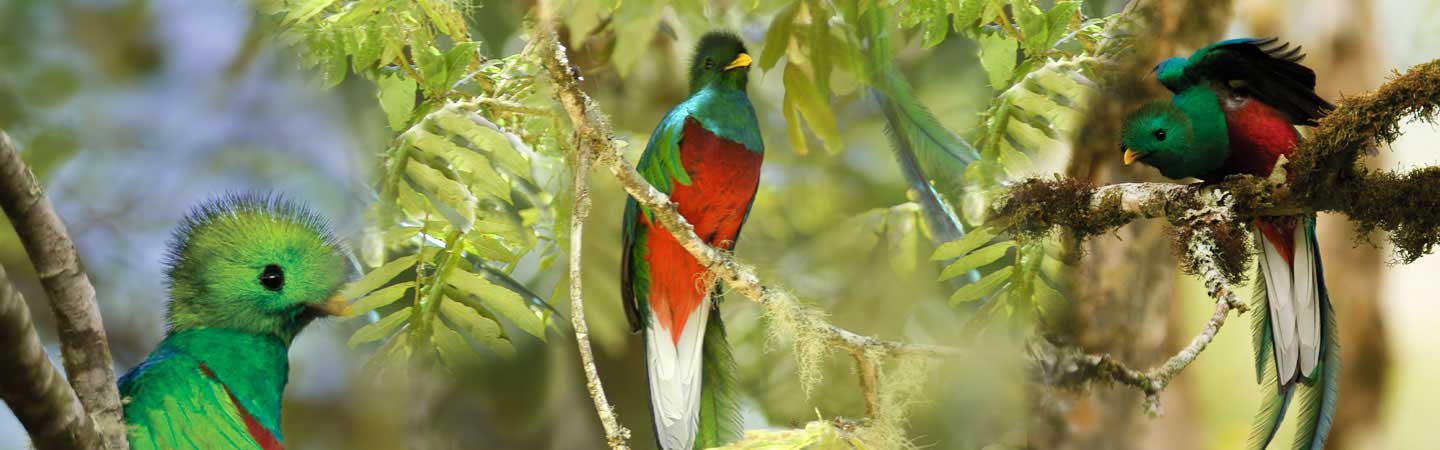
(936, 29)
(997, 56)
(381, 328)
(958, 247)
(380, 298)
(796, 134)
(448, 196)
(976, 260)
(503, 302)
(453, 349)
(967, 13)
(306, 9)
(479, 327)
(777, 38)
(985, 286)
(1033, 26)
(1046, 296)
(634, 23)
(1058, 20)
(457, 62)
(377, 277)
(397, 99)
(800, 91)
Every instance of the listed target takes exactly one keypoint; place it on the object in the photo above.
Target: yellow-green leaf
(977, 259)
(377, 277)
(479, 327)
(397, 99)
(381, 297)
(452, 199)
(503, 302)
(959, 247)
(381, 328)
(777, 38)
(997, 56)
(985, 286)
(801, 91)
(453, 349)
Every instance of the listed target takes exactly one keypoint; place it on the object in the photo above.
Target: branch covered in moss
(83, 346)
(33, 388)
(1325, 177)
(1209, 218)
(806, 326)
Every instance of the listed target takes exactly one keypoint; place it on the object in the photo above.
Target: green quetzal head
(720, 59)
(1161, 135)
(254, 263)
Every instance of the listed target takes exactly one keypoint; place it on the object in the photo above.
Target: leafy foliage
(464, 205)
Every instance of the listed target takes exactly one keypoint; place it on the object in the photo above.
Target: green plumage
(247, 273)
(1317, 395)
(715, 132)
(719, 399)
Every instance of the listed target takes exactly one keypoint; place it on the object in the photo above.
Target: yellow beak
(740, 61)
(1131, 156)
(335, 306)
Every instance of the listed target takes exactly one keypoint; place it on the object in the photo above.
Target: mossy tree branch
(83, 345)
(1209, 217)
(813, 334)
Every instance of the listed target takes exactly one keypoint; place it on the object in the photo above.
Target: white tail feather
(674, 371)
(1280, 294)
(1307, 301)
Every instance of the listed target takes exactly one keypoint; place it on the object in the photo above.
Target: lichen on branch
(1210, 219)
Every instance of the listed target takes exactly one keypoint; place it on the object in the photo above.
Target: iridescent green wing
(171, 404)
(661, 166)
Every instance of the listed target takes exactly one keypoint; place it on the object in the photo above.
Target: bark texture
(83, 345)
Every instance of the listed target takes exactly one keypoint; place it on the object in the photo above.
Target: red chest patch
(1258, 136)
(723, 178)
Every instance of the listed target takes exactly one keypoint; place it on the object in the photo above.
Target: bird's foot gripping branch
(1209, 220)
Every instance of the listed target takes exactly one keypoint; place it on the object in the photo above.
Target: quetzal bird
(1235, 107)
(706, 154)
(246, 274)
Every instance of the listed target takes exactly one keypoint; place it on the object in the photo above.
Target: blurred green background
(132, 110)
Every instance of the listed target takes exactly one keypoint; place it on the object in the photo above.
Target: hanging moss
(1407, 207)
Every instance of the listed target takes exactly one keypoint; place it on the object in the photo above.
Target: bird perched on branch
(706, 154)
(1235, 107)
(246, 274)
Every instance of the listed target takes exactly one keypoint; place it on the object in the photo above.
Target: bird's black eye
(273, 278)
(709, 63)
(1160, 135)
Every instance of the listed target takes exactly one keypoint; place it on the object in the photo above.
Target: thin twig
(594, 134)
(1154, 381)
(83, 346)
(616, 435)
(35, 389)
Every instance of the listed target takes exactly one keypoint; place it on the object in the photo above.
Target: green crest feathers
(251, 262)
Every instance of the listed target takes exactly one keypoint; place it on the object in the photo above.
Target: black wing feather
(1268, 70)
